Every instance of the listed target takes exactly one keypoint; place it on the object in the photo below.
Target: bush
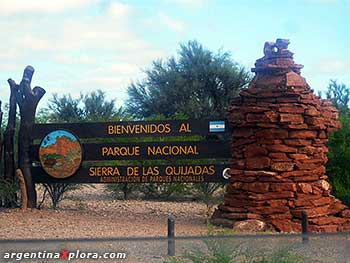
(338, 166)
(210, 195)
(8, 193)
(58, 192)
(222, 251)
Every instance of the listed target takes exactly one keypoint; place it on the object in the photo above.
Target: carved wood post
(22, 185)
(27, 100)
(1, 145)
(9, 157)
(1, 139)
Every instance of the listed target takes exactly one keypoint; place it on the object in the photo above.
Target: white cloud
(119, 9)
(70, 59)
(10, 7)
(185, 3)
(174, 24)
(323, 1)
(333, 65)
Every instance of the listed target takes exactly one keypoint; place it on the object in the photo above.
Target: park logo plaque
(60, 154)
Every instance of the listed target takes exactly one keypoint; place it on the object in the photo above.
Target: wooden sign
(61, 156)
(135, 128)
(143, 150)
(198, 173)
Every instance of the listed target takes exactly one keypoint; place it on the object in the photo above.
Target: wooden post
(1, 145)
(22, 185)
(9, 137)
(304, 227)
(27, 100)
(171, 235)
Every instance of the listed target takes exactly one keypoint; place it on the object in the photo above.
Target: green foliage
(338, 166)
(8, 192)
(339, 94)
(199, 83)
(209, 194)
(93, 106)
(222, 251)
(58, 192)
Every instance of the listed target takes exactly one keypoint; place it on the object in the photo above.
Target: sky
(83, 45)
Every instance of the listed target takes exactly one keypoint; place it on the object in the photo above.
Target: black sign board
(135, 128)
(139, 174)
(62, 155)
(150, 150)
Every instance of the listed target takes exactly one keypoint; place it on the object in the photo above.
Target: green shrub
(222, 251)
(338, 166)
(58, 192)
(8, 193)
(210, 195)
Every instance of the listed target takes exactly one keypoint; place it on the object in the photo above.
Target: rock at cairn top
(277, 59)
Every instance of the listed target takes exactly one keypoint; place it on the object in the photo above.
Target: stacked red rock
(280, 131)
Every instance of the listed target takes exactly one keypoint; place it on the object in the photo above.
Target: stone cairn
(280, 131)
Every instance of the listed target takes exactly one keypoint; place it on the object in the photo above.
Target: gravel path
(92, 212)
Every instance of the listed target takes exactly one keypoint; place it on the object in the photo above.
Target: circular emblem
(60, 154)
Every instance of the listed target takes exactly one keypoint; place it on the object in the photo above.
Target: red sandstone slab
(297, 142)
(268, 210)
(256, 187)
(305, 188)
(294, 79)
(324, 228)
(312, 111)
(272, 195)
(282, 166)
(284, 216)
(277, 203)
(258, 162)
(279, 157)
(281, 148)
(312, 212)
(327, 220)
(286, 226)
(298, 156)
(292, 109)
(303, 134)
(293, 118)
(278, 187)
(254, 150)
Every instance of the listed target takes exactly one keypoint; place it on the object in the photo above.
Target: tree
(339, 94)
(199, 83)
(93, 106)
(338, 166)
(96, 107)
(64, 109)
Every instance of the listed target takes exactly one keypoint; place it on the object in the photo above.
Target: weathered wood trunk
(9, 156)
(27, 100)
(1, 145)
(23, 188)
